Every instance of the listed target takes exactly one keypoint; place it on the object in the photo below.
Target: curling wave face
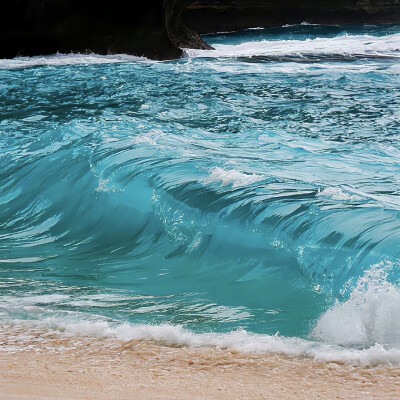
(241, 196)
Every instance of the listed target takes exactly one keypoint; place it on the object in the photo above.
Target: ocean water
(246, 197)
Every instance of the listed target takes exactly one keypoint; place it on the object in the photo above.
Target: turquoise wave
(216, 193)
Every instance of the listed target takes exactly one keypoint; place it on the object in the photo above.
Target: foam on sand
(242, 341)
(363, 330)
(116, 370)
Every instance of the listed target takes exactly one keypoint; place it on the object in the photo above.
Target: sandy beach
(54, 367)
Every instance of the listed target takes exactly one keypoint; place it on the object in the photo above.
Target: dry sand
(82, 368)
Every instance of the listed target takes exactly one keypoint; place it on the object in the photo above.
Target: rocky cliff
(158, 28)
(229, 15)
(30, 27)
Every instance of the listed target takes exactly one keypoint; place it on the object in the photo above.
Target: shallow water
(217, 199)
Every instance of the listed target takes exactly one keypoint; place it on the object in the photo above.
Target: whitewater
(243, 198)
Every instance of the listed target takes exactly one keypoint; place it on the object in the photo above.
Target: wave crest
(370, 316)
(345, 46)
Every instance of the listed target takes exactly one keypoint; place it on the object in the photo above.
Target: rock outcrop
(159, 28)
(30, 27)
(230, 15)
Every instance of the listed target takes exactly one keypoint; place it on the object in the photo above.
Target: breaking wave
(363, 330)
(205, 201)
(66, 59)
(335, 48)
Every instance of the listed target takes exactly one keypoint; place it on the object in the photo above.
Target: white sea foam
(26, 260)
(304, 23)
(67, 59)
(149, 138)
(221, 66)
(346, 45)
(231, 177)
(364, 330)
(241, 340)
(354, 195)
(257, 28)
(336, 193)
(260, 28)
(370, 316)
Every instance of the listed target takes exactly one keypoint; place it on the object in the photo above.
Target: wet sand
(52, 367)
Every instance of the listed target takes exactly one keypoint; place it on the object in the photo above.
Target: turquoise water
(252, 188)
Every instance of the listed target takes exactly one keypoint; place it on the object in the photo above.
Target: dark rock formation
(30, 27)
(180, 34)
(230, 15)
(158, 28)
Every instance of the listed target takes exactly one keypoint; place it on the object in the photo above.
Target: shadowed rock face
(158, 28)
(30, 27)
(215, 16)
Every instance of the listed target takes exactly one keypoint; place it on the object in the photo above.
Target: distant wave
(66, 59)
(341, 47)
(304, 23)
(346, 46)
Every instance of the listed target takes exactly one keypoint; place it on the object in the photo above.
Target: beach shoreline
(66, 368)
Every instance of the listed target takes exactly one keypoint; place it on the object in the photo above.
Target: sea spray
(369, 317)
